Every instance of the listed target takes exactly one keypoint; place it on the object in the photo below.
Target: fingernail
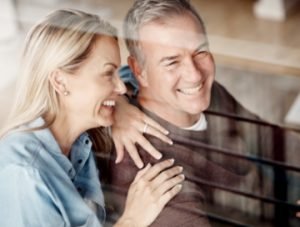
(180, 168)
(170, 142)
(140, 165)
(182, 177)
(179, 187)
(166, 132)
(172, 160)
(159, 156)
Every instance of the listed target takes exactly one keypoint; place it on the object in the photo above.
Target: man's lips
(191, 90)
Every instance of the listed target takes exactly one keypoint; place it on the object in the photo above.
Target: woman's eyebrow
(111, 64)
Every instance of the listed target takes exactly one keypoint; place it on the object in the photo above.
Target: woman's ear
(58, 81)
(138, 71)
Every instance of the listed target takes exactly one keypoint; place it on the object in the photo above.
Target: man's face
(178, 73)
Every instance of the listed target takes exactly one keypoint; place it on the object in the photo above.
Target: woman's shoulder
(20, 148)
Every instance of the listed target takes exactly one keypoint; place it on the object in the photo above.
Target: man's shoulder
(221, 98)
(223, 101)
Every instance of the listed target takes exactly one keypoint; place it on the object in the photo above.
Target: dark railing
(277, 162)
(280, 190)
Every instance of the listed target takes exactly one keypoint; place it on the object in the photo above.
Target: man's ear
(138, 71)
(58, 82)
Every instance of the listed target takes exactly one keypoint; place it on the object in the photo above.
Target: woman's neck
(65, 130)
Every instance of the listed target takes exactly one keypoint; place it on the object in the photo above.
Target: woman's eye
(109, 73)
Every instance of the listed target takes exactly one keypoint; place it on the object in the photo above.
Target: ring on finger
(145, 128)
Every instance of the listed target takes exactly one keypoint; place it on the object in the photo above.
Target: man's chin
(197, 109)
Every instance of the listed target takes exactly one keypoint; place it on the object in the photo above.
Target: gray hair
(145, 11)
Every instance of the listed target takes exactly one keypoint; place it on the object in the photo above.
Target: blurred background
(256, 44)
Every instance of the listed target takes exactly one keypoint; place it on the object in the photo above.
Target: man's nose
(192, 72)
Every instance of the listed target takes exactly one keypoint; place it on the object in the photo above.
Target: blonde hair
(63, 40)
(146, 11)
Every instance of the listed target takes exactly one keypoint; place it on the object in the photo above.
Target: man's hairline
(142, 59)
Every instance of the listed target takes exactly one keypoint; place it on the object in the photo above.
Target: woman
(69, 85)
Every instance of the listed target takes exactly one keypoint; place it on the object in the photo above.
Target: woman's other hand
(128, 129)
(152, 188)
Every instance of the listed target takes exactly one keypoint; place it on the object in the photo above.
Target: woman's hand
(152, 188)
(128, 128)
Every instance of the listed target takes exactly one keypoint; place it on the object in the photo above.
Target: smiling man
(170, 59)
(177, 73)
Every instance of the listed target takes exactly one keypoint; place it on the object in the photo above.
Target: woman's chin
(107, 122)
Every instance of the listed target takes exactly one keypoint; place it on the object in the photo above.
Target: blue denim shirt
(40, 186)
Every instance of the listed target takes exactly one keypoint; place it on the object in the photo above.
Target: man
(170, 58)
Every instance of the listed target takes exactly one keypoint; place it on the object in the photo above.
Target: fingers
(132, 150)
(157, 168)
(164, 199)
(158, 134)
(169, 185)
(119, 151)
(155, 125)
(141, 173)
(152, 188)
(165, 176)
(147, 146)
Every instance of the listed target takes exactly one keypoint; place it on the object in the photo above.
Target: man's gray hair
(145, 11)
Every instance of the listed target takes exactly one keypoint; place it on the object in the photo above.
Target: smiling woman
(66, 97)
(94, 87)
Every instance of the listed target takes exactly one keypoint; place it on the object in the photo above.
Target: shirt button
(87, 142)
(79, 189)
(79, 161)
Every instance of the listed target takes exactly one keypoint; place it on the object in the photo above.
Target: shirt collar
(200, 125)
(47, 140)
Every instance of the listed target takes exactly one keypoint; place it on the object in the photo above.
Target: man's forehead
(175, 39)
(185, 34)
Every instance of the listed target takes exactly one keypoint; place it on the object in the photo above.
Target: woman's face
(96, 85)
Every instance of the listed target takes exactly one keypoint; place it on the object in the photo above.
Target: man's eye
(202, 54)
(172, 63)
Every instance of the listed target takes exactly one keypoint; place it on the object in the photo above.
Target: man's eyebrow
(201, 46)
(174, 57)
(168, 58)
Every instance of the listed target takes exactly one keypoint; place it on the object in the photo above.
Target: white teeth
(191, 91)
(109, 103)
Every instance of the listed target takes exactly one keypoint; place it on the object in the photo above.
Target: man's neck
(178, 118)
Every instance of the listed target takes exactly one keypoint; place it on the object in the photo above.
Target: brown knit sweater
(216, 173)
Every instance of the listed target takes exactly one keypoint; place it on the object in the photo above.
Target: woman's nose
(120, 87)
